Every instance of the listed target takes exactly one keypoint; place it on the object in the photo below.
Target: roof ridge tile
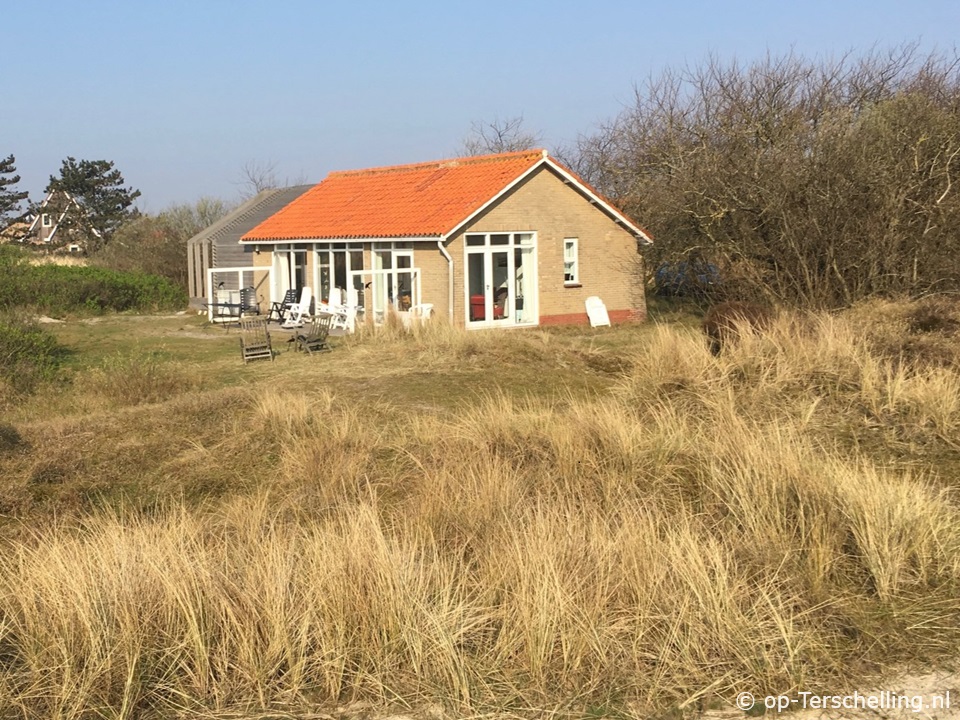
(439, 164)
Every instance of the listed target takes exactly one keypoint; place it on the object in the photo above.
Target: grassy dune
(613, 523)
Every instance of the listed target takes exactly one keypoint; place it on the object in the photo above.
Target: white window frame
(526, 240)
(571, 279)
(45, 220)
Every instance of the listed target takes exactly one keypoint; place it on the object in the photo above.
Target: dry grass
(781, 517)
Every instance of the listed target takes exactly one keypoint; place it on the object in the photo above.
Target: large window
(571, 262)
(337, 272)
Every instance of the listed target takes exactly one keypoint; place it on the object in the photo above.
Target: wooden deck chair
(300, 311)
(315, 335)
(255, 340)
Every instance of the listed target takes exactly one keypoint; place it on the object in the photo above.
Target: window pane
(500, 239)
(476, 239)
(524, 238)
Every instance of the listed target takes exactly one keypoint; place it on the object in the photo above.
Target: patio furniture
(315, 335)
(249, 305)
(299, 311)
(418, 314)
(344, 318)
(255, 340)
(597, 312)
(278, 310)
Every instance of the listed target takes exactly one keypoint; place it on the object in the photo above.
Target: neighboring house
(514, 239)
(15, 231)
(219, 245)
(59, 223)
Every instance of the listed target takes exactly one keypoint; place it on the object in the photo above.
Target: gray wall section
(219, 245)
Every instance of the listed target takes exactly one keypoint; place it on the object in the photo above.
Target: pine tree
(10, 198)
(98, 188)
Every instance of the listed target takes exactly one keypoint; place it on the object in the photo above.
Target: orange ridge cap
(534, 154)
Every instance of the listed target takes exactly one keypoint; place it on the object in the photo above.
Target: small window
(571, 262)
(45, 220)
(476, 239)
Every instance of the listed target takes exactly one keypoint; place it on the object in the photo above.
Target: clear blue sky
(181, 93)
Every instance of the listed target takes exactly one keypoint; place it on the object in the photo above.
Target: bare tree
(255, 176)
(817, 183)
(499, 136)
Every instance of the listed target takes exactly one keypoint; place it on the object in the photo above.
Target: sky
(183, 94)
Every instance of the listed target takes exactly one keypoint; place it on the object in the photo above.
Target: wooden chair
(315, 335)
(255, 340)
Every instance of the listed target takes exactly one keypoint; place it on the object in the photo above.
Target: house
(219, 246)
(15, 231)
(506, 240)
(60, 223)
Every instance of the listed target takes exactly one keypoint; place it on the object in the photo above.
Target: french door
(501, 280)
(289, 271)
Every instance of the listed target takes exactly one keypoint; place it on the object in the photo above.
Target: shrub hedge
(58, 289)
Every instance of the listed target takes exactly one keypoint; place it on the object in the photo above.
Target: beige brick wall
(261, 280)
(434, 274)
(610, 266)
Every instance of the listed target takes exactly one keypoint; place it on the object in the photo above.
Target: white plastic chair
(421, 313)
(597, 312)
(297, 313)
(344, 318)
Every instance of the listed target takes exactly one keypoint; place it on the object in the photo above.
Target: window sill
(572, 285)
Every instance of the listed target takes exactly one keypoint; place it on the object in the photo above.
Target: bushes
(812, 182)
(28, 354)
(57, 289)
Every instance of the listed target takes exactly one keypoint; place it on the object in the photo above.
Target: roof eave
(340, 239)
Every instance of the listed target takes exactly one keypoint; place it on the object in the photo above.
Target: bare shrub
(814, 182)
(726, 322)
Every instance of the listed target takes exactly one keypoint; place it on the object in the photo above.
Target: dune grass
(589, 524)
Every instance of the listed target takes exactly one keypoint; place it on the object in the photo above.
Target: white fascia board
(592, 196)
(516, 181)
(596, 199)
(307, 241)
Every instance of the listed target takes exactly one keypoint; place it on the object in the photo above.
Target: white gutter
(443, 251)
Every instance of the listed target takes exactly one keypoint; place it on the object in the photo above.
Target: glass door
(491, 291)
(501, 279)
(289, 272)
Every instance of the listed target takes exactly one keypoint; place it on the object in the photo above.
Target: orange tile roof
(420, 200)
